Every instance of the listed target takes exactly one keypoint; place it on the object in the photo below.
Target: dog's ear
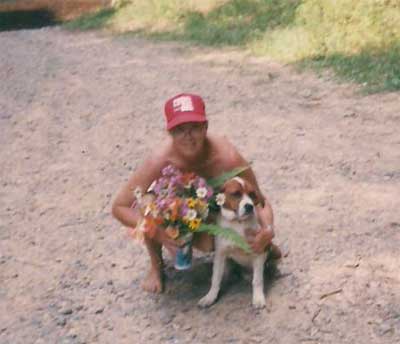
(257, 198)
(260, 199)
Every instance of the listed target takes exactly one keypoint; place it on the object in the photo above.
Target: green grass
(97, 20)
(358, 39)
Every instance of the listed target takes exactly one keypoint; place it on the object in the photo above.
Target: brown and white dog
(238, 213)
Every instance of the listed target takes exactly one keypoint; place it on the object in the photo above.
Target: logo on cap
(183, 104)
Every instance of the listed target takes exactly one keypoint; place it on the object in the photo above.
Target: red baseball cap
(184, 108)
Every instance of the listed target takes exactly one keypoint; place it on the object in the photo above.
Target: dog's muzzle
(248, 208)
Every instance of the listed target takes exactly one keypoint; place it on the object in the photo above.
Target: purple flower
(170, 170)
(210, 192)
(201, 182)
(184, 210)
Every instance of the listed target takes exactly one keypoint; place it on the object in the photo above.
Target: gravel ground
(78, 113)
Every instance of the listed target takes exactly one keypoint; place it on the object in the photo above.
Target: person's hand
(258, 240)
(164, 239)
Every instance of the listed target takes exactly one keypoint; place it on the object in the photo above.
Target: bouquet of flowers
(181, 204)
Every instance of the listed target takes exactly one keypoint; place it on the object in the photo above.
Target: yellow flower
(191, 203)
(194, 224)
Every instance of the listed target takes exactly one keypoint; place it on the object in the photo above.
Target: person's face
(189, 138)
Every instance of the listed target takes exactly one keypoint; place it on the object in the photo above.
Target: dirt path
(78, 112)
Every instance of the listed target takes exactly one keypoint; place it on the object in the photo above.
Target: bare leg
(153, 281)
(203, 242)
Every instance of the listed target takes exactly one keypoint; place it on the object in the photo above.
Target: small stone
(187, 327)
(256, 339)
(350, 114)
(385, 329)
(72, 334)
(211, 334)
(292, 307)
(99, 310)
(66, 311)
(167, 318)
(62, 322)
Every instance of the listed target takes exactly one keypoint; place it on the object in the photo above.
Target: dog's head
(240, 199)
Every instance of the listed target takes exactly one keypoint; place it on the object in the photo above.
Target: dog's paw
(259, 301)
(207, 301)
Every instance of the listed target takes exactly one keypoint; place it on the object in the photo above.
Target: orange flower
(151, 224)
(175, 209)
(187, 178)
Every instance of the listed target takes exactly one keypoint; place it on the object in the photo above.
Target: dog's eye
(253, 195)
(236, 194)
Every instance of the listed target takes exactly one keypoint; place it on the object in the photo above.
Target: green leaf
(226, 233)
(221, 179)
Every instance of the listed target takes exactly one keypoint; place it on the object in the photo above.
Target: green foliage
(237, 22)
(226, 233)
(221, 179)
(358, 39)
(92, 21)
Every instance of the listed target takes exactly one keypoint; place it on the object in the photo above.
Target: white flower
(191, 214)
(220, 199)
(147, 210)
(138, 193)
(201, 192)
(152, 186)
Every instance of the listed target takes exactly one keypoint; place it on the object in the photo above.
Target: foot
(153, 281)
(208, 300)
(275, 252)
(258, 300)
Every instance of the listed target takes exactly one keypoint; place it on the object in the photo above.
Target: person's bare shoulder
(227, 152)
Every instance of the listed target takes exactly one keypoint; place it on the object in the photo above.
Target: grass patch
(358, 39)
(375, 70)
(97, 20)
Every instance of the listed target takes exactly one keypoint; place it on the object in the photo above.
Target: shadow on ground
(34, 14)
(190, 286)
(26, 19)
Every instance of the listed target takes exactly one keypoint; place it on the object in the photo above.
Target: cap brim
(186, 118)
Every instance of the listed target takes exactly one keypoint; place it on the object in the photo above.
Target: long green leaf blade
(226, 233)
(221, 179)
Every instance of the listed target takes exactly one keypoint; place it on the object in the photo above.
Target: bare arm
(142, 177)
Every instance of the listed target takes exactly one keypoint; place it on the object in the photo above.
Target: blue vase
(183, 259)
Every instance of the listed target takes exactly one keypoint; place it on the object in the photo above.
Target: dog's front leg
(218, 272)
(258, 281)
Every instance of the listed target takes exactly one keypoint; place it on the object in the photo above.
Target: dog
(238, 213)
